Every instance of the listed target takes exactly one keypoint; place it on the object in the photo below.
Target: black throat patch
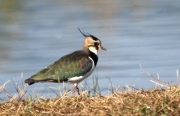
(94, 57)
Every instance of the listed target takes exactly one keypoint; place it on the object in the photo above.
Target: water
(34, 34)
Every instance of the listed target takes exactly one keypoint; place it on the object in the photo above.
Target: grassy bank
(130, 102)
(149, 102)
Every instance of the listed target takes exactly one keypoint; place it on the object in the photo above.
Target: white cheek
(93, 49)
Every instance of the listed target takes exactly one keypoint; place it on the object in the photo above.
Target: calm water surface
(34, 34)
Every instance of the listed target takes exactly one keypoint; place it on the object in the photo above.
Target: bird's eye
(96, 43)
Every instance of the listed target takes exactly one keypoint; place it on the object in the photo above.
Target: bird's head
(92, 43)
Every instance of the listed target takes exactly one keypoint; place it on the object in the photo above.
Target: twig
(112, 90)
(154, 77)
(158, 83)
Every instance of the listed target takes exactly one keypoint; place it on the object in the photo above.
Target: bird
(71, 68)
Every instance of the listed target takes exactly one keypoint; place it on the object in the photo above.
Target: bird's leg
(77, 89)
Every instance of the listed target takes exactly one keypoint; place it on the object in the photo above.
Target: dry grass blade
(3, 86)
(18, 96)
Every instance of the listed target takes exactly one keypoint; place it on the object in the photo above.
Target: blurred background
(139, 35)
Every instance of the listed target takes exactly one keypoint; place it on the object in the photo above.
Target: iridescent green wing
(72, 65)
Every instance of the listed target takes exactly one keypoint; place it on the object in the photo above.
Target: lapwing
(71, 68)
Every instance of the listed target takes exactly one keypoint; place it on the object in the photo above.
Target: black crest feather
(85, 35)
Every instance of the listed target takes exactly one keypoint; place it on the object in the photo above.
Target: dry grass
(130, 102)
(151, 102)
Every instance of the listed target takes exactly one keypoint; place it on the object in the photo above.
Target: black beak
(103, 48)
